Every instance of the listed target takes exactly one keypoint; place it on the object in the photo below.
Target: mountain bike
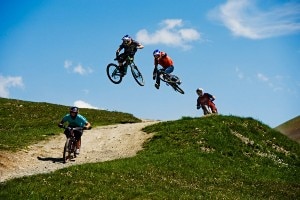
(171, 80)
(70, 145)
(114, 74)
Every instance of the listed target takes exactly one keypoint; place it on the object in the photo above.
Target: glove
(87, 128)
(60, 125)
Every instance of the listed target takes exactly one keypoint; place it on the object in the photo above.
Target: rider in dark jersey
(130, 47)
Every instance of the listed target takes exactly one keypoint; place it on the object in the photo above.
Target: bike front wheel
(177, 88)
(113, 73)
(66, 152)
(137, 75)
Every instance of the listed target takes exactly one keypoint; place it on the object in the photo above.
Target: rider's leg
(78, 135)
(205, 109)
(121, 60)
(67, 133)
(213, 107)
(78, 144)
(169, 70)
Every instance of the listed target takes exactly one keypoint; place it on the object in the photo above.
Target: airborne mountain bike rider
(74, 119)
(130, 47)
(166, 63)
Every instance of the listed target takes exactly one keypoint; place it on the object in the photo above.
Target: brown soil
(98, 145)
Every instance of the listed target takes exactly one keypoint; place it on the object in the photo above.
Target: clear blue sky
(245, 52)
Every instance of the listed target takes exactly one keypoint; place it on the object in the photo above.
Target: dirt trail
(98, 144)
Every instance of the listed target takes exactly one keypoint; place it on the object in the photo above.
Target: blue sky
(245, 52)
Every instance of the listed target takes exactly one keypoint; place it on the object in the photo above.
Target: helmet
(74, 109)
(156, 52)
(199, 89)
(126, 39)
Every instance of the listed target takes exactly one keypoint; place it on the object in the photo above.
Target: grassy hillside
(291, 128)
(23, 122)
(216, 157)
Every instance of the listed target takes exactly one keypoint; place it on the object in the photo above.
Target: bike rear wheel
(113, 73)
(137, 75)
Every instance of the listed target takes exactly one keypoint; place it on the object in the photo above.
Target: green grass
(24, 123)
(216, 157)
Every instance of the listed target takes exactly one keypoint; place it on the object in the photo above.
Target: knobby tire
(166, 78)
(177, 88)
(66, 153)
(113, 73)
(137, 75)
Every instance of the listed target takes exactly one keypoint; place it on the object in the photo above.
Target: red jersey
(205, 99)
(164, 60)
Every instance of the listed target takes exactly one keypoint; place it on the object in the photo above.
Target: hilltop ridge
(291, 128)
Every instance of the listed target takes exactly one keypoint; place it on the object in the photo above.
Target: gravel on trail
(99, 144)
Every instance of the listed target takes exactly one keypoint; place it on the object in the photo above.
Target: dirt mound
(98, 145)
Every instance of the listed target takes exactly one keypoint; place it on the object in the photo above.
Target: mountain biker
(165, 62)
(130, 47)
(74, 119)
(205, 99)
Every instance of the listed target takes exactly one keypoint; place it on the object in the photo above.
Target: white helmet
(156, 52)
(199, 89)
(126, 39)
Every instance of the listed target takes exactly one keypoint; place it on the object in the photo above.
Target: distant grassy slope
(216, 157)
(291, 128)
(24, 122)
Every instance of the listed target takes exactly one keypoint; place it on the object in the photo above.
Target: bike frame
(165, 77)
(113, 72)
(70, 145)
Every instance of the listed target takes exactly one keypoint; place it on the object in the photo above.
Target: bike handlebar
(75, 128)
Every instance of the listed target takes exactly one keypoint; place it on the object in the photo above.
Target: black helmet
(74, 109)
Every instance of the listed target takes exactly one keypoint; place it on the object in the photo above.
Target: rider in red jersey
(165, 62)
(205, 99)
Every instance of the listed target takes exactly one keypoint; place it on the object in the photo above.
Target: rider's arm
(155, 65)
(61, 123)
(139, 46)
(198, 104)
(211, 97)
(154, 72)
(87, 125)
(118, 50)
